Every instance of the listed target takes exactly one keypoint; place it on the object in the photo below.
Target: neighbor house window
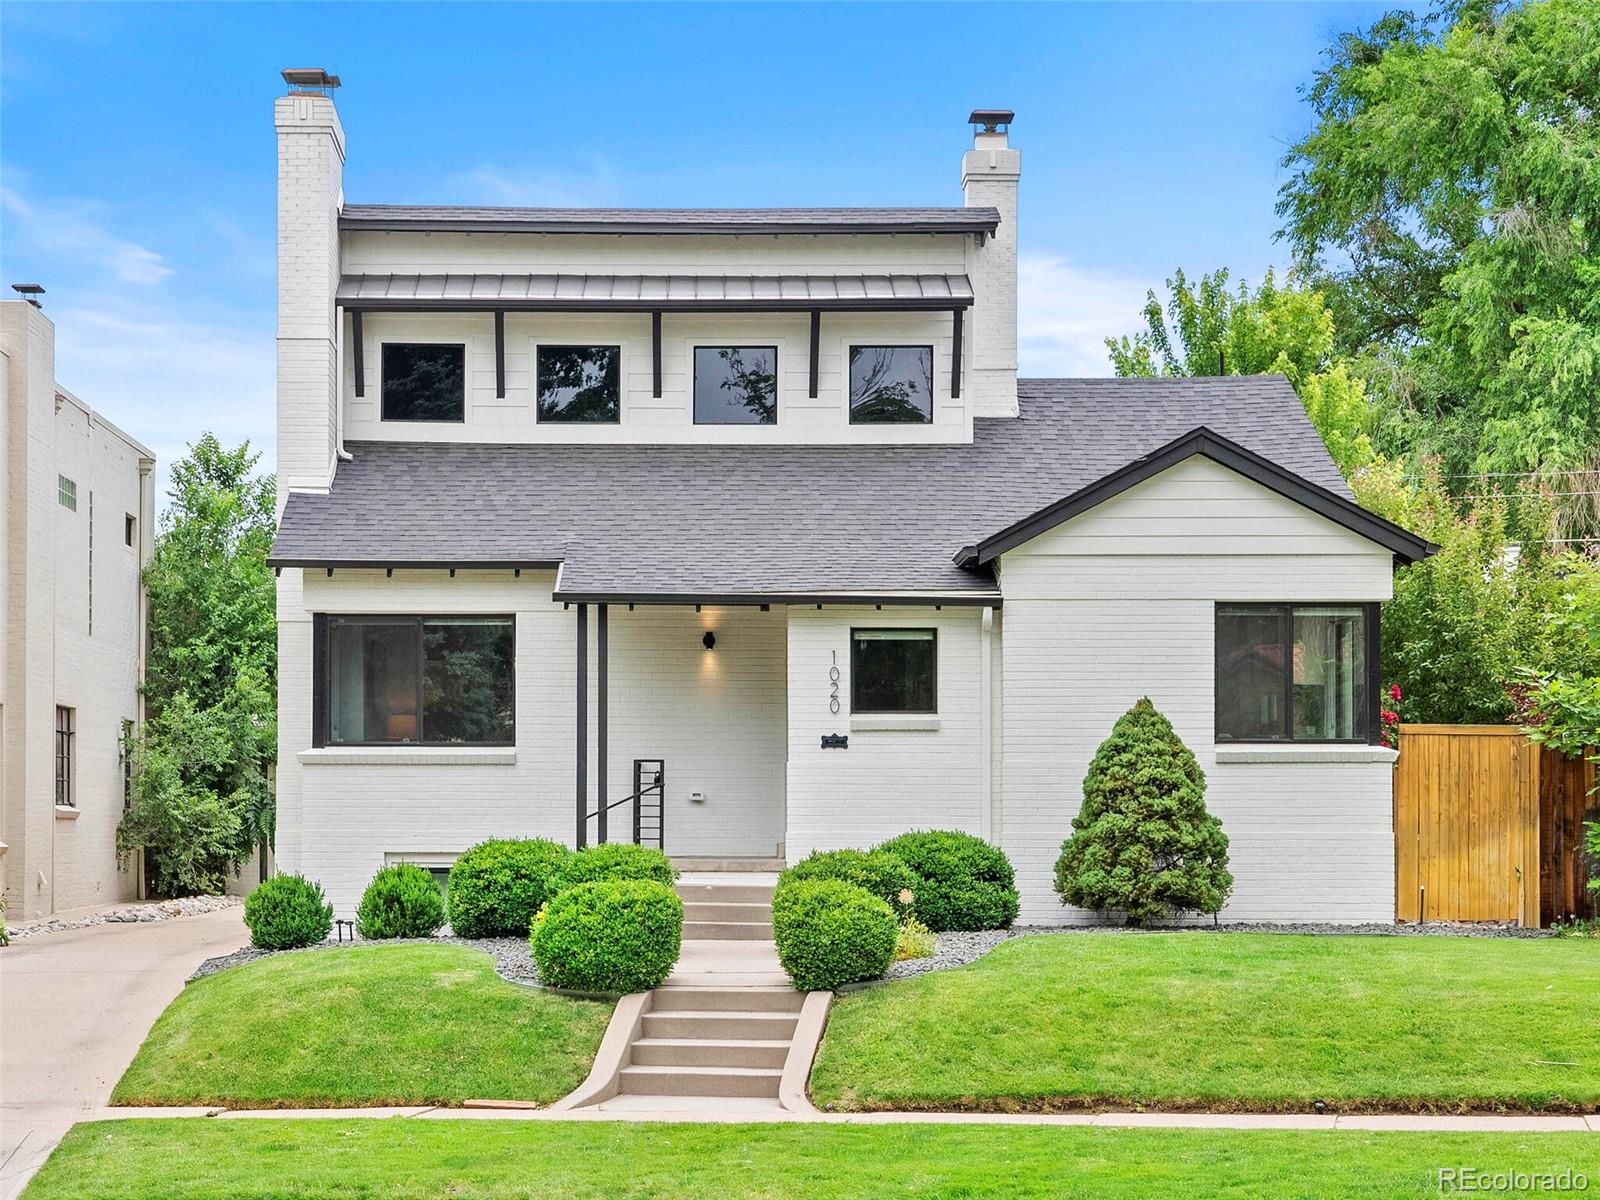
(66, 749)
(67, 492)
(580, 384)
(417, 681)
(130, 528)
(891, 385)
(1296, 672)
(893, 671)
(424, 382)
(735, 385)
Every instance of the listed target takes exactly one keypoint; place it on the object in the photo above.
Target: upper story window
(130, 528)
(67, 493)
(418, 681)
(891, 385)
(893, 671)
(424, 382)
(66, 756)
(1295, 672)
(735, 385)
(580, 384)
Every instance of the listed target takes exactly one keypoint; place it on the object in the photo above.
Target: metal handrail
(657, 787)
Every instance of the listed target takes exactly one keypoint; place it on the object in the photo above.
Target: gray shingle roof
(432, 217)
(780, 520)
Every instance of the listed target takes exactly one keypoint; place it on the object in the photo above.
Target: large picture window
(1296, 672)
(891, 385)
(581, 384)
(424, 382)
(735, 385)
(417, 681)
(893, 671)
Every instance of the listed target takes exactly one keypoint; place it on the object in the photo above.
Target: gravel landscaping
(513, 960)
(130, 914)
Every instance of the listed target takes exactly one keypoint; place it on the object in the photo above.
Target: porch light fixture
(709, 641)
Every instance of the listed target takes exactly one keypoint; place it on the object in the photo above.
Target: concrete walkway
(74, 1008)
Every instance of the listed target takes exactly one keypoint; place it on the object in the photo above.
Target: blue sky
(137, 156)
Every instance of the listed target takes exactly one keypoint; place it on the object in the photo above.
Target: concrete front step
(741, 1026)
(701, 1081)
(727, 931)
(730, 999)
(720, 910)
(726, 893)
(733, 866)
(709, 1052)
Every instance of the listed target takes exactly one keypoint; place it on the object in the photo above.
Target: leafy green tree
(1210, 329)
(1447, 199)
(1142, 842)
(200, 798)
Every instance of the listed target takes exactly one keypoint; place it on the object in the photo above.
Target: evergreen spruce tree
(1143, 843)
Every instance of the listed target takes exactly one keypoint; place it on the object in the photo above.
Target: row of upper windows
(733, 385)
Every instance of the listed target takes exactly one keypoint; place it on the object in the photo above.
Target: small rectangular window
(66, 750)
(891, 385)
(67, 492)
(130, 528)
(424, 382)
(420, 681)
(735, 385)
(1294, 672)
(580, 384)
(893, 671)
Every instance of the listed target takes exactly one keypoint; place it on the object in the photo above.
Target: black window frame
(855, 672)
(383, 386)
(694, 381)
(321, 678)
(538, 351)
(849, 363)
(130, 529)
(66, 752)
(1372, 684)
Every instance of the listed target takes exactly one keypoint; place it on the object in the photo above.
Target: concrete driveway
(74, 1008)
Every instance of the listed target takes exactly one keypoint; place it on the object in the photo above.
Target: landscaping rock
(131, 914)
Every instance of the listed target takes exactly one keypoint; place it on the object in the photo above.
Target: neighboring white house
(77, 500)
(754, 499)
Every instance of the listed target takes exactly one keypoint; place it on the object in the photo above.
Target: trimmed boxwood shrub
(963, 882)
(830, 932)
(613, 860)
(881, 872)
(497, 886)
(616, 935)
(287, 912)
(402, 901)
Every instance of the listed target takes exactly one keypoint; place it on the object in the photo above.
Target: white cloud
(76, 230)
(595, 185)
(1065, 313)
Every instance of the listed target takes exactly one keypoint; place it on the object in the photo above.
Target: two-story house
(752, 502)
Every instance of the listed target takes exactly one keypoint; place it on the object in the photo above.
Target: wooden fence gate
(1487, 827)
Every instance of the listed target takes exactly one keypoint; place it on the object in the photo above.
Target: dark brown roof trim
(403, 564)
(1407, 546)
(862, 304)
(386, 219)
(750, 599)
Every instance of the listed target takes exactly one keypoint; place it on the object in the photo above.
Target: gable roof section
(433, 218)
(1406, 546)
(782, 523)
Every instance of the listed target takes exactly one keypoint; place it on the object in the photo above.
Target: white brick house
(757, 496)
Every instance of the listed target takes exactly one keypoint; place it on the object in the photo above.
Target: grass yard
(404, 1024)
(1229, 1021)
(343, 1159)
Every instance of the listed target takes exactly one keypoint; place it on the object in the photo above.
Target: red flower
(1394, 692)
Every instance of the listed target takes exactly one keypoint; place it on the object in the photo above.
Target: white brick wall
(989, 175)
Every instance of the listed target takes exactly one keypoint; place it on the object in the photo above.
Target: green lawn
(335, 1159)
(403, 1024)
(1231, 1021)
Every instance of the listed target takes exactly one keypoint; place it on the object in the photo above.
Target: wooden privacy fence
(1488, 827)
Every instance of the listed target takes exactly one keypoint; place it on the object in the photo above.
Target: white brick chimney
(310, 194)
(989, 174)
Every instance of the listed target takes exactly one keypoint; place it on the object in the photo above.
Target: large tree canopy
(1447, 200)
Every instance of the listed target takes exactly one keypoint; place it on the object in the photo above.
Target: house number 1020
(833, 684)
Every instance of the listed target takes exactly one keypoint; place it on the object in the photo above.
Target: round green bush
(963, 882)
(287, 912)
(830, 932)
(617, 935)
(402, 901)
(497, 886)
(881, 872)
(613, 860)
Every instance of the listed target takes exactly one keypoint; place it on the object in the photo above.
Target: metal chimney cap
(310, 79)
(991, 120)
(28, 289)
